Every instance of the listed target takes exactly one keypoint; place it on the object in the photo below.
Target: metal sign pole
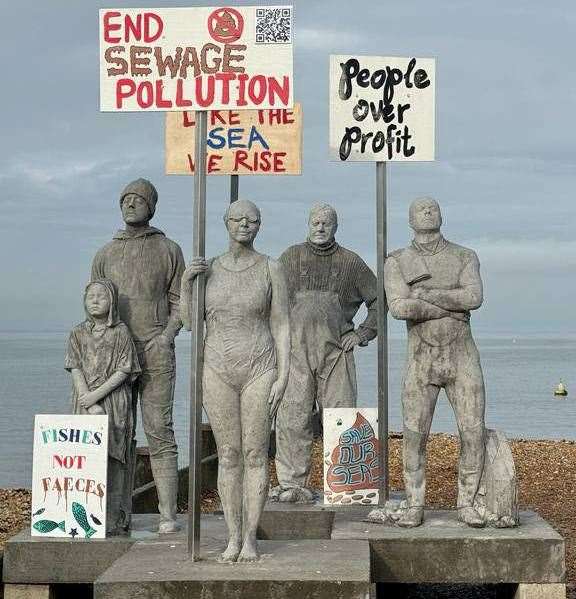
(234, 185)
(381, 252)
(197, 320)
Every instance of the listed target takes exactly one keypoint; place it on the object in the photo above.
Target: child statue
(102, 359)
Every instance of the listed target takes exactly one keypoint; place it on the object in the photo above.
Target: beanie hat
(144, 189)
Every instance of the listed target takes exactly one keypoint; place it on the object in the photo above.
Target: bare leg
(418, 403)
(255, 439)
(223, 407)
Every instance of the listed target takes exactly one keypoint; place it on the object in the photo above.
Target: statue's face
(135, 210)
(97, 301)
(243, 222)
(425, 215)
(321, 227)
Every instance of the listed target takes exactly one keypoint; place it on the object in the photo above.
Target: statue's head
(138, 202)
(425, 215)
(322, 224)
(101, 301)
(242, 219)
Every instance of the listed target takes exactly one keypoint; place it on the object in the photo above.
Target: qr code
(273, 25)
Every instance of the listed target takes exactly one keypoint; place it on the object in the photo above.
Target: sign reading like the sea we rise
(69, 476)
(201, 58)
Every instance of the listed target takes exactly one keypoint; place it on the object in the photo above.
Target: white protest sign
(69, 476)
(382, 108)
(242, 142)
(351, 465)
(173, 59)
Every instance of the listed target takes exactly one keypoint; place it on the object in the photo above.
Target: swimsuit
(239, 346)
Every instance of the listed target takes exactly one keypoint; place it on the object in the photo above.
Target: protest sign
(243, 142)
(351, 463)
(382, 108)
(69, 476)
(172, 59)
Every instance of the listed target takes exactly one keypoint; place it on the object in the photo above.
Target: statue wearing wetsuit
(433, 285)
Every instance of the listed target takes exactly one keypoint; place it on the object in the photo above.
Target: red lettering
(108, 27)
(160, 101)
(287, 114)
(190, 162)
(145, 94)
(188, 119)
(278, 162)
(233, 117)
(134, 28)
(240, 160)
(206, 99)
(225, 78)
(124, 89)
(150, 17)
(275, 89)
(275, 115)
(213, 161)
(257, 89)
(242, 78)
(215, 114)
(181, 102)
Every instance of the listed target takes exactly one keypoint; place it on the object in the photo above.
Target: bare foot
(249, 551)
(231, 552)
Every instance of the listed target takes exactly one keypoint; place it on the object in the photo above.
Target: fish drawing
(79, 514)
(45, 526)
(38, 512)
(96, 521)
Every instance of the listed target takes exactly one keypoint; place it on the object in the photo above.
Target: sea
(520, 373)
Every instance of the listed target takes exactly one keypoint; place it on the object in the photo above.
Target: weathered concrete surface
(541, 591)
(444, 550)
(28, 591)
(311, 568)
(281, 521)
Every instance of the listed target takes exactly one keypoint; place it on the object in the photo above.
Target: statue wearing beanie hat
(147, 267)
(144, 189)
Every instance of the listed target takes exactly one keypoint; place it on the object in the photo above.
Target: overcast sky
(505, 169)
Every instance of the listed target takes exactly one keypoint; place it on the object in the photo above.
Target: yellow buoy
(561, 389)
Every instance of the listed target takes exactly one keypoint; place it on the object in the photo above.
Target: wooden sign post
(199, 59)
(382, 110)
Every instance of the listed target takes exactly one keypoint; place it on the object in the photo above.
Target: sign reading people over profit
(240, 142)
(174, 59)
(382, 109)
(69, 476)
(351, 465)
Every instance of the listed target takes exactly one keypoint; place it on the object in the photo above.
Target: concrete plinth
(296, 521)
(28, 591)
(444, 550)
(310, 568)
(541, 591)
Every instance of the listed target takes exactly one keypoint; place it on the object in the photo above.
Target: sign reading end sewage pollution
(174, 59)
(69, 476)
(381, 108)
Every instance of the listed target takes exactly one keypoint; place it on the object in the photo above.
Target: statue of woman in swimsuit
(246, 362)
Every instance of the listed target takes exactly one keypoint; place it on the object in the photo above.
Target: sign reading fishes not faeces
(69, 476)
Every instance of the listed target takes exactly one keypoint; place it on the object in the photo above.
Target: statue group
(278, 347)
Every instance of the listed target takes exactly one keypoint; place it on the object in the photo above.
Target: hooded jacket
(146, 268)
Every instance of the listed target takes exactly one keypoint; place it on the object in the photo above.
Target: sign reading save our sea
(240, 142)
(173, 59)
(382, 108)
(69, 476)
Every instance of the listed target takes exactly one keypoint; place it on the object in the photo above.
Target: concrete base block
(313, 568)
(297, 521)
(444, 550)
(27, 591)
(541, 591)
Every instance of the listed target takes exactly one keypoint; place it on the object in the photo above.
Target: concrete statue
(246, 362)
(327, 284)
(433, 285)
(146, 267)
(104, 364)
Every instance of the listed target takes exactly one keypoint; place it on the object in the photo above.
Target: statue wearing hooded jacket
(102, 360)
(147, 267)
